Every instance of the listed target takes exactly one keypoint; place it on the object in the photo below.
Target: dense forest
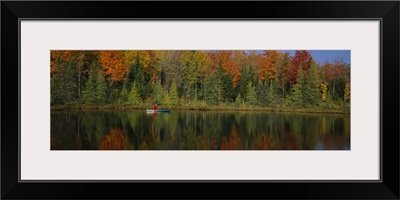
(198, 79)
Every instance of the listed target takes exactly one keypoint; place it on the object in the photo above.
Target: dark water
(197, 130)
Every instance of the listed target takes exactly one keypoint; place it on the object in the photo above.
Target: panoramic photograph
(200, 100)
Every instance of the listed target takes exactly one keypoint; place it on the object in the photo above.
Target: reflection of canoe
(158, 111)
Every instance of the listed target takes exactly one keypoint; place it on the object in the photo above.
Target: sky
(322, 55)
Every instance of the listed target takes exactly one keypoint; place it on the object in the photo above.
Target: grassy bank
(200, 108)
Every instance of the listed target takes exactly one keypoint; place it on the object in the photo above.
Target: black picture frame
(386, 11)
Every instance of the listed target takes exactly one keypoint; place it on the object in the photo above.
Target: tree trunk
(195, 93)
(79, 84)
(334, 83)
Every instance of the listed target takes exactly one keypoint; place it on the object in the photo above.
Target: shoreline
(193, 108)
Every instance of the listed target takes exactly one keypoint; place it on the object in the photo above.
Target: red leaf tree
(303, 59)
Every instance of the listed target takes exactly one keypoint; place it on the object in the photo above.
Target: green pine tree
(140, 79)
(227, 88)
(238, 100)
(328, 104)
(272, 94)
(244, 79)
(252, 76)
(134, 96)
(213, 90)
(158, 93)
(65, 83)
(313, 86)
(251, 94)
(55, 95)
(125, 91)
(101, 88)
(262, 91)
(297, 97)
(148, 90)
(189, 74)
(173, 98)
(89, 93)
(130, 76)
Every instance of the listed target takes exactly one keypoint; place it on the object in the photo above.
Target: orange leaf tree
(113, 66)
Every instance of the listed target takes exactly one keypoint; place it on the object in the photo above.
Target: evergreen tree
(238, 100)
(214, 87)
(227, 88)
(130, 76)
(252, 76)
(173, 98)
(125, 91)
(313, 86)
(89, 93)
(115, 94)
(189, 74)
(244, 79)
(158, 93)
(262, 91)
(134, 95)
(251, 94)
(65, 83)
(148, 90)
(213, 90)
(272, 94)
(297, 97)
(328, 104)
(282, 75)
(101, 88)
(55, 94)
(140, 79)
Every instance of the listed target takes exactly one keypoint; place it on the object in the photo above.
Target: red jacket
(155, 107)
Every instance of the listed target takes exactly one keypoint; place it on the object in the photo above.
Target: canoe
(158, 110)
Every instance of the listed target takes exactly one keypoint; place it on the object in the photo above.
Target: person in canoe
(155, 113)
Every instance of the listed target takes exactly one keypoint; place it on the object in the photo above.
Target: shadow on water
(197, 130)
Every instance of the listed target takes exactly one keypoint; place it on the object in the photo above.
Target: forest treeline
(198, 78)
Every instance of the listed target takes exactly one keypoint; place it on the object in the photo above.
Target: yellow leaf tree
(324, 89)
(347, 92)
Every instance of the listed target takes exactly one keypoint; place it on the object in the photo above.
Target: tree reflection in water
(116, 140)
(197, 130)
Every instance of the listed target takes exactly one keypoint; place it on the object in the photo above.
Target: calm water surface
(197, 130)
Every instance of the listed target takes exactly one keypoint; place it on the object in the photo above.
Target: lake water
(198, 130)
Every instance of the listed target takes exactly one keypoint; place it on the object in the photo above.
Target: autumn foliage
(301, 59)
(225, 59)
(116, 140)
(112, 63)
(233, 142)
(198, 77)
